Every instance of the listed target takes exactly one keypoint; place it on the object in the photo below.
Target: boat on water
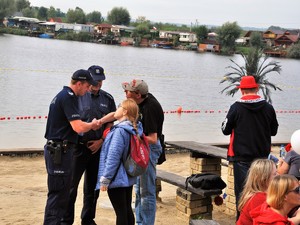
(162, 44)
(45, 35)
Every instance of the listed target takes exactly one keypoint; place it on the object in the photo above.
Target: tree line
(227, 33)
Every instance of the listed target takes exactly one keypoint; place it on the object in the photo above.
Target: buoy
(179, 110)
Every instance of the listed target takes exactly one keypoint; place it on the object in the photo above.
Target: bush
(16, 31)
(82, 36)
(294, 51)
(242, 50)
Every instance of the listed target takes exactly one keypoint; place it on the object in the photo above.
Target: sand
(23, 192)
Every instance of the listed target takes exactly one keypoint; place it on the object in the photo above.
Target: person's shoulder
(66, 93)
(106, 94)
(152, 101)
(293, 153)
(269, 105)
(260, 194)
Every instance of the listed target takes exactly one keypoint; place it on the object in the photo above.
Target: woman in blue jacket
(112, 176)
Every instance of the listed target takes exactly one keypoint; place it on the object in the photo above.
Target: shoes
(92, 222)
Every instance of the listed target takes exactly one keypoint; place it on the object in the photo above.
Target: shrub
(294, 51)
(16, 31)
(82, 36)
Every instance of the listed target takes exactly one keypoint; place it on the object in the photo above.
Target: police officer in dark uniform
(62, 129)
(94, 104)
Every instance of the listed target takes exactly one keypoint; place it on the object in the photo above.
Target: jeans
(145, 190)
(240, 170)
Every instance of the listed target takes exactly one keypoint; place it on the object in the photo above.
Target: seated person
(290, 164)
(283, 195)
(261, 172)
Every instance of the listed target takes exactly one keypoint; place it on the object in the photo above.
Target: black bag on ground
(162, 156)
(205, 181)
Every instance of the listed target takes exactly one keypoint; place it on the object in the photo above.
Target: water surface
(33, 70)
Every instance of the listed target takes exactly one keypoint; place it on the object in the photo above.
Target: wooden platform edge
(200, 148)
(21, 151)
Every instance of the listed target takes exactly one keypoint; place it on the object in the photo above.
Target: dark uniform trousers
(59, 183)
(87, 163)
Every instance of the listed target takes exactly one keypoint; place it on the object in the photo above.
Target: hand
(280, 161)
(95, 125)
(103, 188)
(95, 145)
(100, 122)
(296, 217)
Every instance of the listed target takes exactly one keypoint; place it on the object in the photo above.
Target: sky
(247, 13)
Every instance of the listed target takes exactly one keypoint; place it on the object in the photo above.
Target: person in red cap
(250, 122)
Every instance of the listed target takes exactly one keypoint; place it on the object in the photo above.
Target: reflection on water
(33, 70)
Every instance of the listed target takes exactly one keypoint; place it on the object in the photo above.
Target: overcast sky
(247, 13)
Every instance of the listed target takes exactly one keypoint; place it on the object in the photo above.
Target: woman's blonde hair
(279, 187)
(258, 179)
(132, 111)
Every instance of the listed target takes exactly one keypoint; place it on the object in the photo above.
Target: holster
(55, 149)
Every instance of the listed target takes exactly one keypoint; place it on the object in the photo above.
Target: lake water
(33, 70)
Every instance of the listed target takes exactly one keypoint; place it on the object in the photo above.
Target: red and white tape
(178, 111)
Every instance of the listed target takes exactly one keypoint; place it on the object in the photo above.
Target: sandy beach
(23, 192)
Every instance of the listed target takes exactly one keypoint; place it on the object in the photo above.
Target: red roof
(104, 25)
(58, 20)
(293, 38)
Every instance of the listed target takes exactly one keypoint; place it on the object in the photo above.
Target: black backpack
(205, 181)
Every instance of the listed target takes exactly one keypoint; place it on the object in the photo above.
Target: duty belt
(56, 148)
(64, 144)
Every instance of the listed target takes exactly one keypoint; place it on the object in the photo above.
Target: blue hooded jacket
(113, 153)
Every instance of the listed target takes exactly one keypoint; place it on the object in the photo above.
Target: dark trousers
(59, 182)
(121, 199)
(87, 163)
(240, 170)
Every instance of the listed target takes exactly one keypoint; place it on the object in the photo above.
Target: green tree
(119, 16)
(42, 13)
(7, 8)
(59, 13)
(141, 30)
(255, 65)
(201, 32)
(227, 34)
(142, 19)
(256, 40)
(94, 17)
(29, 12)
(294, 51)
(52, 12)
(76, 16)
(22, 4)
